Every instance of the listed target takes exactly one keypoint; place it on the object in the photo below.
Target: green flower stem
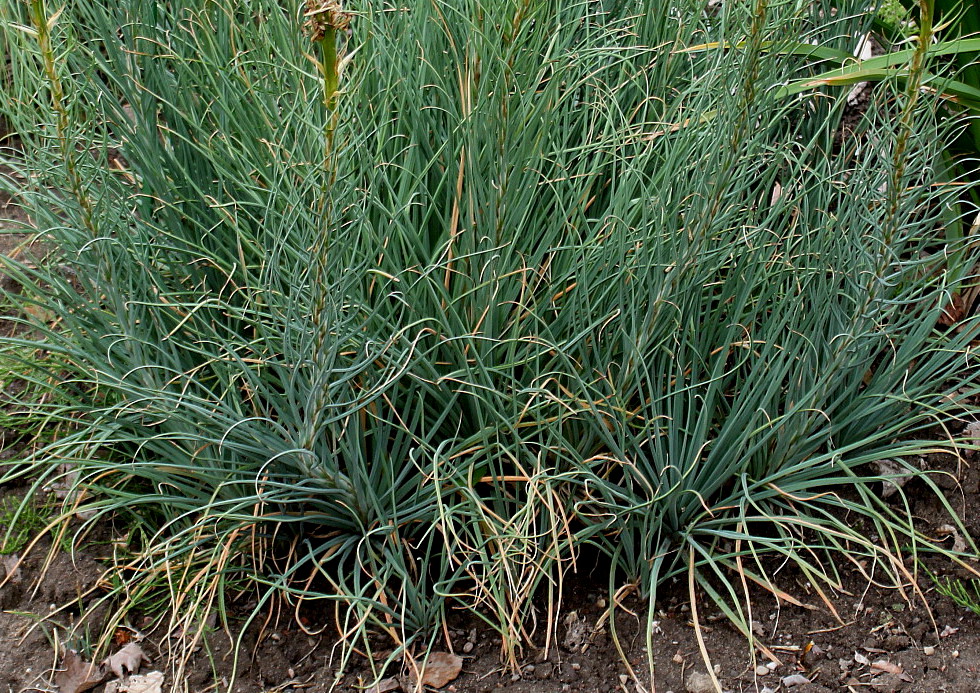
(912, 88)
(43, 24)
(329, 70)
(331, 81)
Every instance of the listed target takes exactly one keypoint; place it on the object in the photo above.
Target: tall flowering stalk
(896, 188)
(43, 24)
(325, 20)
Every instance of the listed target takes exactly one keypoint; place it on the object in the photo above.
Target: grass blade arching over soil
(535, 276)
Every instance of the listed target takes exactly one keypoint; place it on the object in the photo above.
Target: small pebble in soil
(699, 682)
(468, 647)
(928, 650)
(762, 670)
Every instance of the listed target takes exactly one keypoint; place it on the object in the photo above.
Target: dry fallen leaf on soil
(126, 661)
(897, 473)
(441, 668)
(954, 311)
(384, 686)
(64, 488)
(122, 636)
(77, 676)
(150, 683)
(959, 544)
(861, 659)
(11, 568)
(888, 667)
(972, 435)
(794, 680)
(578, 633)
(40, 313)
(947, 631)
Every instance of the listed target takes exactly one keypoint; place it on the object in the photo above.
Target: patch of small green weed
(20, 522)
(965, 593)
(26, 378)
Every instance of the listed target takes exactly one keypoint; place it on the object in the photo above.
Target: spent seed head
(322, 15)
